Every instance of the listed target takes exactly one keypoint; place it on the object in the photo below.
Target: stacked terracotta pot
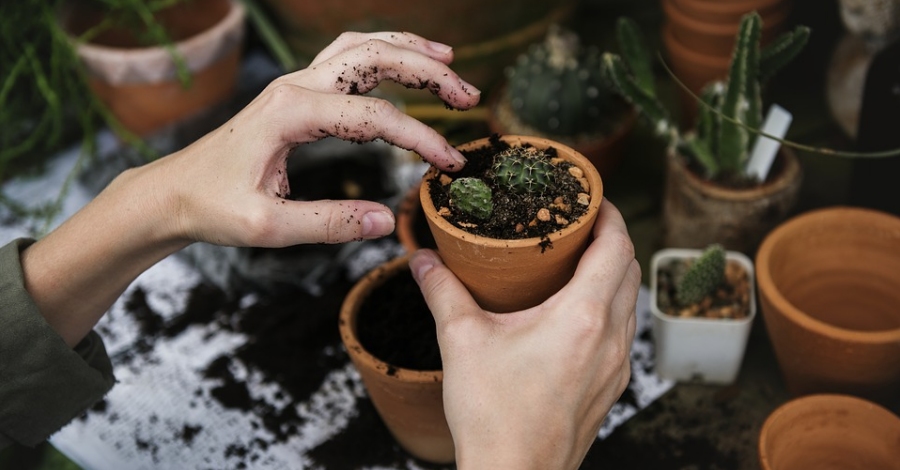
(699, 37)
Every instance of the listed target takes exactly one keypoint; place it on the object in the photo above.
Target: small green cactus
(523, 169)
(703, 276)
(557, 87)
(723, 139)
(472, 196)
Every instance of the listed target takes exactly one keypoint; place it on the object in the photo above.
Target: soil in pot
(515, 215)
(396, 326)
(731, 300)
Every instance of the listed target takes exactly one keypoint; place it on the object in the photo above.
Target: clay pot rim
(668, 253)
(768, 288)
(823, 400)
(347, 324)
(790, 172)
(564, 151)
(728, 30)
(734, 5)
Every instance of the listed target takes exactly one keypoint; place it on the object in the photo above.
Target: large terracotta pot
(511, 275)
(697, 212)
(485, 35)
(710, 28)
(829, 284)
(410, 402)
(139, 84)
(830, 431)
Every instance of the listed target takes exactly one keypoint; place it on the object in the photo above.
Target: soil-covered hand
(530, 389)
(229, 187)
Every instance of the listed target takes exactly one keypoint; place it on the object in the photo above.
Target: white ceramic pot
(699, 349)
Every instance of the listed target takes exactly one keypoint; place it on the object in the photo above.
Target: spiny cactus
(703, 276)
(557, 87)
(523, 169)
(722, 140)
(472, 196)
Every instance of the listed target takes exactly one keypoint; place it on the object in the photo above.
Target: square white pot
(699, 349)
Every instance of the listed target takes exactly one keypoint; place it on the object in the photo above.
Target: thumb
(445, 295)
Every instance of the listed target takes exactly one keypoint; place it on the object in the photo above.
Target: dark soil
(514, 215)
(395, 325)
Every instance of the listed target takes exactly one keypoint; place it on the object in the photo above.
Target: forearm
(77, 271)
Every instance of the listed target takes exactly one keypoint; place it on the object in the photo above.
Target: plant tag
(777, 122)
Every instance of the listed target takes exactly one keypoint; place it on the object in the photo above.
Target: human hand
(229, 188)
(530, 389)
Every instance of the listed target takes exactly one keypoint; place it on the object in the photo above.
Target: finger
(360, 69)
(445, 295)
(353, 118)
(604, 265)
(349, 40)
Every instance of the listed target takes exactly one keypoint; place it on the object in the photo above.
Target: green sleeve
(44, 383)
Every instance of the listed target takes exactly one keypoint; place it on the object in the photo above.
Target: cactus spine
(523, 169)
(557, 87)
(472, 196)
(703, 276)
(724, 134)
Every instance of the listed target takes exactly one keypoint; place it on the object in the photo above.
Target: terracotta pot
(697, 212)
(511, 275)
(411, 228)
(830, 431)
(829, 284)
(484, 35)
(704, 350)
(139, 84)
(410, 402)
(710, 28)
(694, 71)
(604, 152)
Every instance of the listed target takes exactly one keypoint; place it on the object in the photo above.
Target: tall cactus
(732, 115)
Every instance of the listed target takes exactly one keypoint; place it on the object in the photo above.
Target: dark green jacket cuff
(44, 383)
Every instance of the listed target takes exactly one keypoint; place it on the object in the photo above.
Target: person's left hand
(230, 187)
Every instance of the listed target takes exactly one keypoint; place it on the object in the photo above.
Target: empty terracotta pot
(410, 402)
(830, 432)
(711, 27)
(829, 285)
(510, 275)
(411, 228)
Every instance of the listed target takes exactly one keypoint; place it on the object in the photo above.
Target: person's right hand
(530, 389)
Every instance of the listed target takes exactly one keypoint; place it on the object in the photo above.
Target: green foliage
(557, 87)
(703, 276)
(731, 112)
(523, 169)
(472, 196)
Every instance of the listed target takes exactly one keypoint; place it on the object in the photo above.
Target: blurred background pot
(140, 83)
(829, 283)
(830, 431)
(409, 401)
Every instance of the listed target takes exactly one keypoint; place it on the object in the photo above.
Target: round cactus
(557, 87)
(472, 196)
(523, 169)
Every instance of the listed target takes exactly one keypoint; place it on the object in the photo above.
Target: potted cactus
(556, 90)
(513, 223)
(710, 197)
(703, 304)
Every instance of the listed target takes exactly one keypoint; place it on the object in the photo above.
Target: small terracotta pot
(604, 152)
(829, 284)
(697, 212)
(139, 84)
(830, 431)
(711, 28)
(411, 228)
(510, 275)
(410, 402)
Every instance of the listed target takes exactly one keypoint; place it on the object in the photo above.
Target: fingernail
(458, 158)
(439, 47)
(377, 224)
(469, 88)
(420, 263)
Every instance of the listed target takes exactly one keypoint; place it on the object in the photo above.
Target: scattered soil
(395, 325)
(730, 301)
(515, 216)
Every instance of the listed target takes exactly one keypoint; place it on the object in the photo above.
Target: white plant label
(777, 122)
